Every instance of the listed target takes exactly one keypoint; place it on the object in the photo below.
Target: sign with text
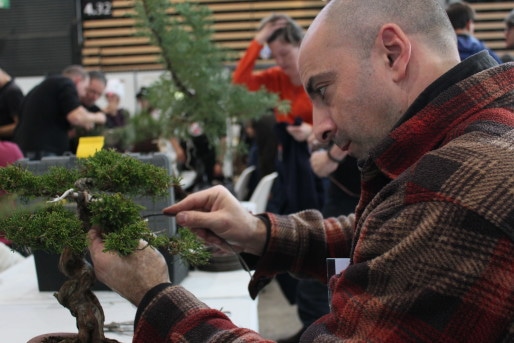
(96, 9)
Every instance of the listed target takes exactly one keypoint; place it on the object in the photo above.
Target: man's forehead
(313, 44)
(96, 83)
(317, 24)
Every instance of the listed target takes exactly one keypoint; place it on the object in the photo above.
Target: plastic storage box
(48, 275)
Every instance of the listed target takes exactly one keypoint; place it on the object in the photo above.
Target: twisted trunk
(76, 294)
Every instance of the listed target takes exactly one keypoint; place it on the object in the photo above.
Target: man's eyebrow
(309, 87)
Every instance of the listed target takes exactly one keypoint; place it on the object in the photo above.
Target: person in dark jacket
(50, 110)
(462, 17)
(11, 97)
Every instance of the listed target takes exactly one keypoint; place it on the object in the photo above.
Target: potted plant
(59, 207)
(196, 88)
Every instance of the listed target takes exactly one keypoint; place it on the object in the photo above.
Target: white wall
(133, 81)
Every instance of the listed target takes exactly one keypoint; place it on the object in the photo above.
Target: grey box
(50, 278)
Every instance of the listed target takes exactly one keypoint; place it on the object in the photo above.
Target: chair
(241, 185)
(260, 196)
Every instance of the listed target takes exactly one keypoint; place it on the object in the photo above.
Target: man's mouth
(345, 147)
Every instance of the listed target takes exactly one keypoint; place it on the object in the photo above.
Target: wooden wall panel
(112, 45)
(490, 25)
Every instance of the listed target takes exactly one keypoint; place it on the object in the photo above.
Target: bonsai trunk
(76, 294)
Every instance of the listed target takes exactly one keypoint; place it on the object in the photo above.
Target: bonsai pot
(57, 337)
(52, 337)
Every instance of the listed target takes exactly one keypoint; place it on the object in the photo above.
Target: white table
(26, 312)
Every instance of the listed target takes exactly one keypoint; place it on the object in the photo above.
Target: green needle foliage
(22, 182)
(196, 86)
(126, 175)
(49, 228)
(101, 189)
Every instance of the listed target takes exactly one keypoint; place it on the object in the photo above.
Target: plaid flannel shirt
(431, 244)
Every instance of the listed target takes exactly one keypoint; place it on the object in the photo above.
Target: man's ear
(396, 47)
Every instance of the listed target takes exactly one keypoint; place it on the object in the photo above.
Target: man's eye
(321, 91)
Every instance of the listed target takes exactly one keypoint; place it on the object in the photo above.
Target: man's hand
(216, 216)
(300, 132)
(100, 118)
(321, 165)
(268, 29)
(130, 276)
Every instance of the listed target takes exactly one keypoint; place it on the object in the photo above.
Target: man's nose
(323, 127)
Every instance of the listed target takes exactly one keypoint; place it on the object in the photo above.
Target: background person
(296, 187)
(431, 241)
(50, 110)
(11, 97)
(282, 36)
(342, 182)
(94, 91)
(462, 17)
(117, 116)
(150, 142)
(509, 36)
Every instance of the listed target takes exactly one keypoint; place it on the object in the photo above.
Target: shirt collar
(461, 71)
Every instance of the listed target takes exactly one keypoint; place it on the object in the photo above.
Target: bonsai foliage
(196, 86)
(107, 179)
(58, 208)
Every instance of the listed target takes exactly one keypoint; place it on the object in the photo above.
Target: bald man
(431, 242)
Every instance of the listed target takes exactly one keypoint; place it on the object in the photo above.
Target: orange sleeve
(244, 73)
(274, 80)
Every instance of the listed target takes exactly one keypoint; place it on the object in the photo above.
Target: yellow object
(88, 146)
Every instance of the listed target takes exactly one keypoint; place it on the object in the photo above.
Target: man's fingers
(196, 219)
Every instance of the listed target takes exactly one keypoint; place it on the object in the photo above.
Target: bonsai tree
(196, 85)
(98, 193)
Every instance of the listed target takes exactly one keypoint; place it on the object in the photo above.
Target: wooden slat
(132, 67)
(490, 25)
(111, 32)
(490, 16)
(122, 3)
(129, 59)
(243, 16)
(250, 25)
(90, 51)
(112, 44)
(263, 6)
(497, 46)
(493, 6)
(490, 36)
(115, 22)
(117, 41)
(131, 50)
(124, 12)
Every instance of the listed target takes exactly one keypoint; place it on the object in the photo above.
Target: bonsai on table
(97, 193)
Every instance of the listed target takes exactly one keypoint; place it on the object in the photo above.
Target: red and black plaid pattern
(431, 244)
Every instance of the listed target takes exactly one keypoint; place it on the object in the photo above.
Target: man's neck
(462, 32)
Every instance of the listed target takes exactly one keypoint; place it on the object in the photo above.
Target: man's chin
(354, 151)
